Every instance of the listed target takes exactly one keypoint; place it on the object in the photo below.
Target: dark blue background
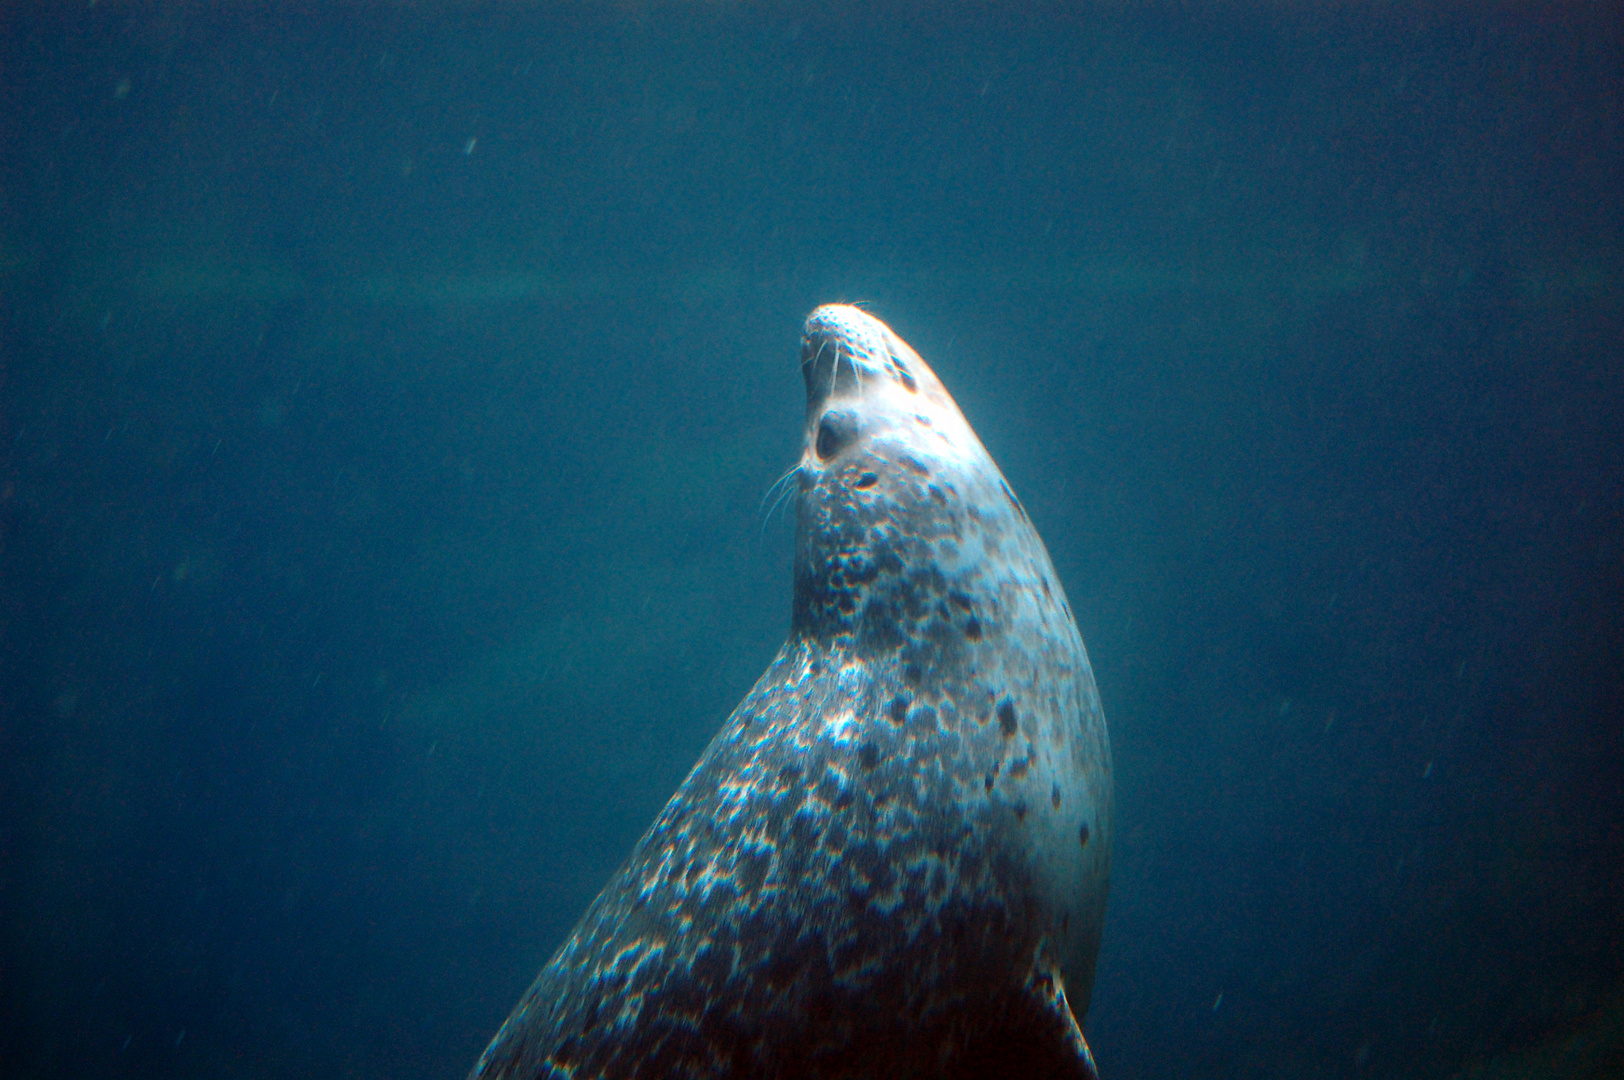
(389, 393)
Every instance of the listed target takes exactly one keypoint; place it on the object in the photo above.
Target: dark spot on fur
(1065, 923)
(961, 601)
(1046, 591)
(989, 781)
(868, 756)
(898, 710)
(1020, 811)
(1006, 716)
(1020, 768)
(751, 871)
(867, 480)
(972, 629)
(1054, 796)
(912, 675)
(789, 774)
(1082, 834)
(1013, 501)
(915, 465)
(903, 375)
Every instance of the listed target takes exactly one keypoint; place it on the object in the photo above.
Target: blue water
(387, 397)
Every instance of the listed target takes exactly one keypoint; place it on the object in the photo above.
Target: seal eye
(835, 432)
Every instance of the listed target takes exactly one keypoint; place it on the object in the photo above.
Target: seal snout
(845, 352)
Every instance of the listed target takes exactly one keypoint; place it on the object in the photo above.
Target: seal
(892, 860)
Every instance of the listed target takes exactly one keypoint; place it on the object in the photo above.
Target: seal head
(892, 861)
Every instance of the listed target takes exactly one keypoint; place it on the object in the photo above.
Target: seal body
(892, 860)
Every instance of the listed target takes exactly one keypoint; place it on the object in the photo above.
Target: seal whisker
(776, 484)
(784, 501)
(834, 372)
(819, 354)
(778, 494)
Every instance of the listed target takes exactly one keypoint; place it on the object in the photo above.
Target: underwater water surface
(388, 394)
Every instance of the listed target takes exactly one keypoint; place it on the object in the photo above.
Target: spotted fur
(892, 860)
